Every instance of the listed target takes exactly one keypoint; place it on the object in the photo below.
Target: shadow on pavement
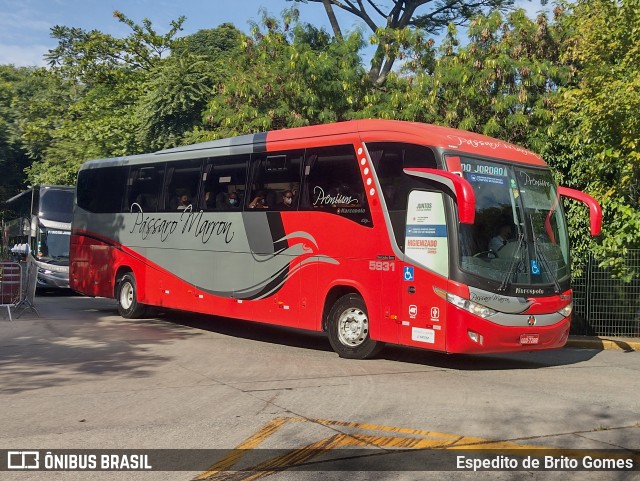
(77, 337)
(319, 342)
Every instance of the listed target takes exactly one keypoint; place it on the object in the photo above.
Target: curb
(604, 343)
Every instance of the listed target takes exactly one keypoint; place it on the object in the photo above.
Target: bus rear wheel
(348, 329)
(128, 305)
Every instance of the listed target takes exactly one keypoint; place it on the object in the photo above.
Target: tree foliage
(95, 56)
(14, 85)
(179, 88)
(596, 130)
(386, 18)
(288, 74)
(501, 83)
(87, 107)
(212, 43)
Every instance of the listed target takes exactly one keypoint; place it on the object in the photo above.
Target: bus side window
(102, 190)
(332, 183)
(224, 182)
(182, 182)
(276, 175)
(145, 186)
(389, 159)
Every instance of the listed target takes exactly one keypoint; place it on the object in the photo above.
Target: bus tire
(128, 305)
(348, 329)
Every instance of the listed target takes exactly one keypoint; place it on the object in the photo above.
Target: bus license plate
(528, 339)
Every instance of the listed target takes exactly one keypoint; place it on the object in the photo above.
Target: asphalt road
(80, 377)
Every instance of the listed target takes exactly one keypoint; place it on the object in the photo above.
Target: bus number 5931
(382, 266)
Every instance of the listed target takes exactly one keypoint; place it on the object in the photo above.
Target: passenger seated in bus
(286, 202)
(226, 201)
(258, 202)
(183, 202)
(500, 240)
(234, 201)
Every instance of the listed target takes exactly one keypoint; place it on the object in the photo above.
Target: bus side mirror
(456, 185)
(595, 211)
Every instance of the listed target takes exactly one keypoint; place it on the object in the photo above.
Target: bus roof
(444, 138)
(37, 187)
(370, 130)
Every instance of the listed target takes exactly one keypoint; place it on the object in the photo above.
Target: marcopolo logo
(23, 460)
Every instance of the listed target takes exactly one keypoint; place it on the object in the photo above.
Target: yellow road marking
(420, 439)
(251, 442)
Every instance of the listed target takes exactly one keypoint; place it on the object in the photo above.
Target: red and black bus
(373, 231)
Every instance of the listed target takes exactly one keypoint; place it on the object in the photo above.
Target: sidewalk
(627, 344)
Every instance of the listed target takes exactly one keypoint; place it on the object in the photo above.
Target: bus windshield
(53, 244)
(56, 204)
(519, 235)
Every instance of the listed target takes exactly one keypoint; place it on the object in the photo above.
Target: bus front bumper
(468, 334)
(52, 280)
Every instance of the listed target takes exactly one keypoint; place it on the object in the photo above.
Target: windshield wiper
(539, 253)
(516, 260)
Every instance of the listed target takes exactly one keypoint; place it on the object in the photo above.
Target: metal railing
(11, 290)
(604, 305)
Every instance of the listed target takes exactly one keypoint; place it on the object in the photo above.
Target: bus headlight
(566, 310)
(470, 306)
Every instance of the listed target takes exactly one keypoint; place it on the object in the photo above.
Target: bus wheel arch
(120, 273)
(127, 296)
(346, 321)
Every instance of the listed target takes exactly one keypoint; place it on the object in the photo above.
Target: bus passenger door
(423, 319)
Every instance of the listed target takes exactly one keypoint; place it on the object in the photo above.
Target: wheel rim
(126, 295)
(353, 327)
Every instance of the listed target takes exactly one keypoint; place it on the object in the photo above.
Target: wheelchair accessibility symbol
(535, 267)
(408, 273)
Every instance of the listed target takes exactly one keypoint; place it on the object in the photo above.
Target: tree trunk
(332, 19)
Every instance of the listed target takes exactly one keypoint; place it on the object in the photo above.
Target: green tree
(87, 106)
(212, 43)
(500, 83)
(287, 75)
(98, 122)
(14, 84)
(597, 127)
(95, 56)
(386, 18)
(179, 87)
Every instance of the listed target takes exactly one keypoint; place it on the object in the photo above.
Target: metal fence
(604, 305)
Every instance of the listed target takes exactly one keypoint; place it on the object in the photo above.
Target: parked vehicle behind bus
(373, 231)
(42, 227)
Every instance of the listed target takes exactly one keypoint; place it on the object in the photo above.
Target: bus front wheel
(128, 305)
(348, 329)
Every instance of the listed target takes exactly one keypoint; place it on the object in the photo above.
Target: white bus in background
(42, 228)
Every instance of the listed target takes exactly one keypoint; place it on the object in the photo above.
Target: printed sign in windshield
(426, 231)
(482, 169)
(484, 173)
(536, 189)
